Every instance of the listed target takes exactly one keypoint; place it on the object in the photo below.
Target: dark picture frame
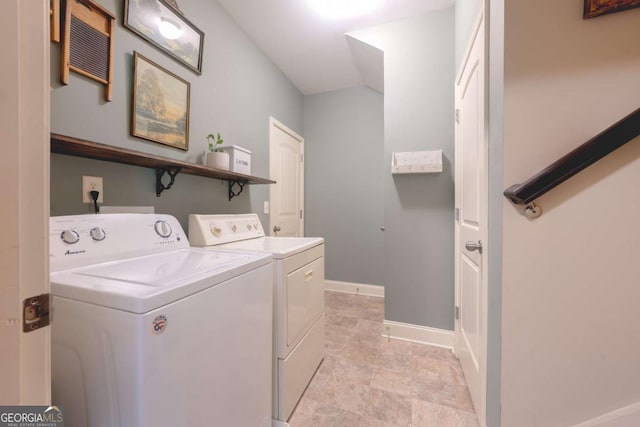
(160, 105)
(144, 18)
(594, 8)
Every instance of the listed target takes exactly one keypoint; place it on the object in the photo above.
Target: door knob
(276, 229)
(473, 246)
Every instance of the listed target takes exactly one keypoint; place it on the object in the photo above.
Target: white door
(25, 359)
(471, 204)
(286, 167)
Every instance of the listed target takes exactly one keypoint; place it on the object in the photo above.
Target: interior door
(286, 157)
(471, 212)
(25, 359)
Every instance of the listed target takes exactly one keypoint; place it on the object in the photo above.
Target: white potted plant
(216, 157)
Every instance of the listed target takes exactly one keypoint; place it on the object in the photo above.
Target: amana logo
(74, 252)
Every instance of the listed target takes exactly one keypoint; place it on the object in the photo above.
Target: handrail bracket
(532, 211)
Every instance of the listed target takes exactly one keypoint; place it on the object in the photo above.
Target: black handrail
(588, 153)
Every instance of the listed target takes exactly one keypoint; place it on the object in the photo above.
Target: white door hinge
(457, 313)
(300, 213)
(457, 115)
(301, 158)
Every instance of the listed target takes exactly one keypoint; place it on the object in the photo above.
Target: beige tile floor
(367, 380)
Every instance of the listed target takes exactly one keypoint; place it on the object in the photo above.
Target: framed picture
(164, 27)
(160, 107)
(593, 8)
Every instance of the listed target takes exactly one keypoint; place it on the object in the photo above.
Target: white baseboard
(627, 416)
(354, 288)
(278, 423)
(419, 334)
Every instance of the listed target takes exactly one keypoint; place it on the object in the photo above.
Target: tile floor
(367, 380)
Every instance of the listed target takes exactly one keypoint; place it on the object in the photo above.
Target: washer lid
(144, 283)
(279, 247)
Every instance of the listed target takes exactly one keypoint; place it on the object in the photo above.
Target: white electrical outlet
(91, 183)
(266, 208)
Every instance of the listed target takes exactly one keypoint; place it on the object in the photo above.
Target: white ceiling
(314, 52)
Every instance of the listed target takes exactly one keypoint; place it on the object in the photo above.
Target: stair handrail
(567, 166)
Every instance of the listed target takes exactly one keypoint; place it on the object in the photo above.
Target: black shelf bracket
(240, 184)
(172, 172)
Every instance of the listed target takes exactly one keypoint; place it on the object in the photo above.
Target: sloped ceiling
(315, 52)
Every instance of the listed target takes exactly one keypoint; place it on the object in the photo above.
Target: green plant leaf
(214, 141)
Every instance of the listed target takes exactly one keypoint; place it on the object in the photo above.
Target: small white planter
(218, 160)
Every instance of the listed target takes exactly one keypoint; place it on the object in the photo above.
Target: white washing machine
(299, 297)
(149, 332)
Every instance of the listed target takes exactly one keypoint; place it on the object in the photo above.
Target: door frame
(25, 362)
(273, 124)
(479, 27)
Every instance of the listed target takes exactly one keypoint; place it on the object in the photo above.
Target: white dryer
(299, 296)
(150, 332)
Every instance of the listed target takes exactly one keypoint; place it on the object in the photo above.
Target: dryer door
(305, 299)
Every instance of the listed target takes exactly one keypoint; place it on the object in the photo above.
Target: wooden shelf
(68, 145)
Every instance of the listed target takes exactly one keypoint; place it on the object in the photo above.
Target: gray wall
(467, 12)
(419, 109)
(418, 209)
(344, 145)
(237, 92)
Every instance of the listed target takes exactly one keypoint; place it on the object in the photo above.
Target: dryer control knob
(234, 228)
(163, 229)
(70, 236)
(216, 231)
(97, 234)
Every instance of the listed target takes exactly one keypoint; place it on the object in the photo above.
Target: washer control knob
(163, 229)
(216, 231)
(70, 236)
(249, 227)
(234, 228)
(255, 226)
(97, 234)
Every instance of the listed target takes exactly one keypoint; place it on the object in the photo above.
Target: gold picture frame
(594, 8)
(160, 105)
